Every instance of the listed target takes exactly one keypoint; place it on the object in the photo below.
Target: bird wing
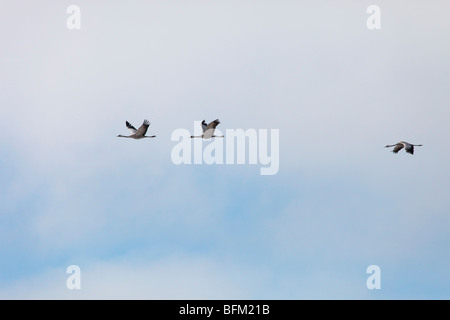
(143, 128)
(204, 125)
(398, 147)
(213, 125)
(130, 127)
(410, 149)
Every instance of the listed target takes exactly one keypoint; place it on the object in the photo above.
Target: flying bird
(402, 144)
(137, 134)
(208, 130)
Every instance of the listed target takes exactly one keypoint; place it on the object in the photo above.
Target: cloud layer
(140, 226)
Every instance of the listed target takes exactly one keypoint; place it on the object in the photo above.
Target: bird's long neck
(121, 136)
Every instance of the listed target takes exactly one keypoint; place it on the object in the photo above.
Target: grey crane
(409, 147)
(208, 130)
(137, 134)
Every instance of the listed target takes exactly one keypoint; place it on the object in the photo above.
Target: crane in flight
(208, 130)
(409, 147)
(139, 133)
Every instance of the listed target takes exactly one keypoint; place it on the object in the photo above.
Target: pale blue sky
(141, 227)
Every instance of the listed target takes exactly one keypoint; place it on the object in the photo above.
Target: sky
(139, 226)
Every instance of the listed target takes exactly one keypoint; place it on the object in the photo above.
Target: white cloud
(131, 277)
(224, 64)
